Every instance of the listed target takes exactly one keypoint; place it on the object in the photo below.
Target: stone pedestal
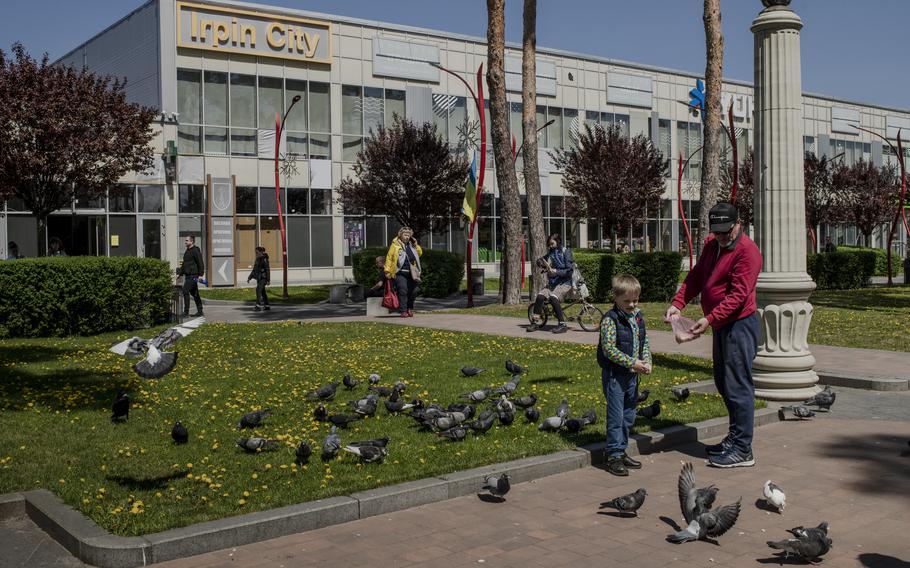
(783, 367)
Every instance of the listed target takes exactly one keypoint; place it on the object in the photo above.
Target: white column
(783, 367)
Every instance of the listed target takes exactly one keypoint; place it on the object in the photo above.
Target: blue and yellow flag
(469, 207)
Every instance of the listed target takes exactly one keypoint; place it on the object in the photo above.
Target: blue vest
(623, 341)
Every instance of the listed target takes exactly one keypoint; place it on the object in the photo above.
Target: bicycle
(588, 315)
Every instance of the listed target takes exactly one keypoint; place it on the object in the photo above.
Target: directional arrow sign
(224, 271)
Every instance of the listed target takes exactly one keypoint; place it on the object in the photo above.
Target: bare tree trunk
(714, 69)
(506, 178)
(536, 243)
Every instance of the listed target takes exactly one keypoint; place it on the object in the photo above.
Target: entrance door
(150, 237)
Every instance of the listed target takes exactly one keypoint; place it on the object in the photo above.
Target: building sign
(214, 28)
(221, 230)
(222, 236)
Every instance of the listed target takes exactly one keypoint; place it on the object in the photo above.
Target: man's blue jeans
(735, 346)
(621, 390)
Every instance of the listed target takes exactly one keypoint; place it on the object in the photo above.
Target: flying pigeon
(257, 444)
(680, 393)
(344, 419)
(325, 392)
(824, 399)
(120, 410)
(808, 545)
(368, 454)
(692, 501)
(158, 362)
(563, 409)
(643, 396)
(320, 413)
(454, 433)
(526, 401)
(515, 368)
(471, 371)
(497, 485)
(331, 444)
(532, 414)
(179, 433)
(377, 442)
(775, 495)
(479, 395)
(302, 453)
(374, 379)
(630, 503)
(798, 411)
(708, 524)
(649, 411)
(254, 419)
(552, 424)
(349, 382)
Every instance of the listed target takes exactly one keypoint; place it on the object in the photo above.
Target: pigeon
(775, 495)
(448, 420)
(331, 444)
(158, 362)
(365, 406)
(349, 382)
(325, 392)
(344, 419)
(552, 424)
(179, 433)
(590, 417)
(257, 444)
(563, 409)
(471, 371)
(467, 409)
(481, 425)
(476, 396)
(368, 454)
(575, 425)
(120, 410)
(454, 433)
(497, 485)
(302, 453)
(798, 411)
(396, 406)
(630, 503)
(643, 396)
(374, 379)
(320, 413)
(381, 391)
(692, 501)
(505, 405)
(824, 399)
(515, 368)
(526, 401)
(808, 545)
(509, 387)
(377, 442)
(507, 417)
(680, 393)
(254, 419)
(708, 524)
(532, 414)
(649, 411)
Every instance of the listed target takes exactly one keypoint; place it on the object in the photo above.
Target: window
(189, 96)
(570, 127)
(663, 142)
(373, 110)
(191, 199)
(299, 241)
(297, 201)
(394, 104)
(191, 225)
(555, 130)
(271, 103)
(688, 140)
(215, 107)
(321, 228)
(809, 144)
(321, 202)
(246, 200)
(151, 198)
(267, 203)
(122, 199)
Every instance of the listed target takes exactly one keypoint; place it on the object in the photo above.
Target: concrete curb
(94, 545)
(876, 383)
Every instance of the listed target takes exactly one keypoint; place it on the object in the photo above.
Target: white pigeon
(775, 495)
(157, 362)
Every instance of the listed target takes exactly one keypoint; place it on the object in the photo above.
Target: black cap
(722, 217)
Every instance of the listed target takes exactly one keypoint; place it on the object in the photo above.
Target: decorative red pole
(279, 125)
(731, 133)
(682, 213)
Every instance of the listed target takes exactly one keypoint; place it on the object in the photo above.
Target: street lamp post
(279, 126)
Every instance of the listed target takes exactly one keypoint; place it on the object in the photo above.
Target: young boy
(622, 353)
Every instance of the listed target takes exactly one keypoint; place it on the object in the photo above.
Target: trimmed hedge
(442, 271)
(881, 259)
(658, 272)
(82, 295)
(841, 270)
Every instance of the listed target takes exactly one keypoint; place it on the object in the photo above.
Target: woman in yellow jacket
(402, 264)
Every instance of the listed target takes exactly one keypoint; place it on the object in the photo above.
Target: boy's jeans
(621, 390)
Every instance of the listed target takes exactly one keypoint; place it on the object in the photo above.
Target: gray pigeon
(526, 401)
(649, 411)
(331, 444)
(454, 433)
(532, 414)
(158, 362)
(179, 433)
(377, 442)
(374, 378)
(479, 395)
(630, 503)
(349, 382)
(643, 396)
(552, 424)
(471, 371)
(368, 454)
(497, 485)
(515, 368)
(509, 387)
(396, 406)
(505, 405)
(254, 418)
(320, 413)
(798, 411)
(692, 501)
(824, 399)
(481, 425)
(801, 531)
(325, 392)
(448, 420)
(563, 409)
(120, 410)
(344, 419)
(365, 406)
(680, 393)
(257, 444)
(302, 453)
(507, 417)
(808, 545)
(708, 524)
(575, 425)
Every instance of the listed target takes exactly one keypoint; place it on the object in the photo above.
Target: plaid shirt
(612, 352)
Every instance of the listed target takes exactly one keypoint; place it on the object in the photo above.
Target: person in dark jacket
(378, 289)
(558, 264)
(262, 275)
(192, 269)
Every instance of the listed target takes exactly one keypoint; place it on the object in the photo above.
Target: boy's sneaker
(616, 467)
(733, 458)
(629, 462)
(723, 447)
(561, 328)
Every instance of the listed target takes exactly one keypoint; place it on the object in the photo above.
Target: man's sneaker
(561, 328)
(629, 462)
(198, 314)
(533, 327)
(723, 447)
(266, 307)
(733, 458)
(257, 309)
(616, 467)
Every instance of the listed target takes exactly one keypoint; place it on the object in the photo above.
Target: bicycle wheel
(535, 318)
(589, 317)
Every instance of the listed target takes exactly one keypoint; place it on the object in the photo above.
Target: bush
(441, 277)
(841, 270)
(658, 272)
(881, 259)
(82, 295)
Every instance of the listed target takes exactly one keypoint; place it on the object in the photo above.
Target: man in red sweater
(726, 275)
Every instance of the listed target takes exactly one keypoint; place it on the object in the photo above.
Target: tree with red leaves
(65, 130)
(612, 178)
(864, 195)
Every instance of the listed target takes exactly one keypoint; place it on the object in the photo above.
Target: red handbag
(390, 298)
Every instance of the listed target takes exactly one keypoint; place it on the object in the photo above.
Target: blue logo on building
(698, 96)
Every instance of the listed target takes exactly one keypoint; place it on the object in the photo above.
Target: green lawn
(55, 397)
(296, 294)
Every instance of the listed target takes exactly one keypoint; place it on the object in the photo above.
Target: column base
(791, 386)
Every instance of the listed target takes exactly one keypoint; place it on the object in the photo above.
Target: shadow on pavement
(873, 560)
(879, 456)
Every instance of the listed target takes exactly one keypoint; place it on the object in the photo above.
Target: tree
(506, 178)
(611, 178)
(817, 179)
(714, 67)
(865, 195)
(536, 242)
(745, 193)
(406, 172)
(65, 131)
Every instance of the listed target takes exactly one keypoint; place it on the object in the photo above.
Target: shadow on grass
(557, 379)
(23, 387)
(147, 483)
(32, 354)
(874, 299)
(873, 560)
(884, 468)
